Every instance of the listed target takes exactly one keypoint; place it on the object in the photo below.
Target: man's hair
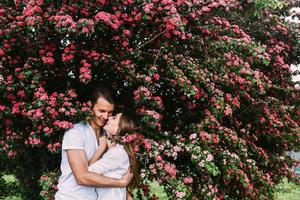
(103, 92)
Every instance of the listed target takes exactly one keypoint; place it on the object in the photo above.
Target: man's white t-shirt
(114, 164)
(81, 136)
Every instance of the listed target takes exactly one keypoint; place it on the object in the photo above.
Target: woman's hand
(101, 149)
(102, 144)
(128, 196)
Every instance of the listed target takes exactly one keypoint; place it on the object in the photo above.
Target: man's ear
(89, 103)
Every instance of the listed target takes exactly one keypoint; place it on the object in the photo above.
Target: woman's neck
(111, 145)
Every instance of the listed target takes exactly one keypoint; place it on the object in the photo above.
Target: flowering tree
(210, 81)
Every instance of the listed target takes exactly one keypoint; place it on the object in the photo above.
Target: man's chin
(101, 124)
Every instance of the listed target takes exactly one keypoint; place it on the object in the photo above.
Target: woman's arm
(128, 196)
(99, 152)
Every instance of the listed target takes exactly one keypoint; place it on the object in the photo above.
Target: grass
(286, 190)
(290, 191)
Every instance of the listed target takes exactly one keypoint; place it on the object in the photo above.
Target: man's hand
(126, 178)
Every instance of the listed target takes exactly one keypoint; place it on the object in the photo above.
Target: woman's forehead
(118, 115)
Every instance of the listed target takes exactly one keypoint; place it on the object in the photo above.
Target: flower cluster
(48, 182)
(209, 80)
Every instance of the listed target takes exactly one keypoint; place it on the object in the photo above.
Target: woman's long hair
(127, 126)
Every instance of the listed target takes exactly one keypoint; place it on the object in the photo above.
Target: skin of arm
(128, 196)
(99, 152)
(79, 165)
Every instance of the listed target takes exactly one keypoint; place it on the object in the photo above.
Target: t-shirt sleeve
(73, 139)
(109, 162)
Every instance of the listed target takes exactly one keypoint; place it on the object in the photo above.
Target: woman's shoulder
(119, 148)
(117, 151)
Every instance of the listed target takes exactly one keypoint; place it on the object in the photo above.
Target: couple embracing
(94, 165)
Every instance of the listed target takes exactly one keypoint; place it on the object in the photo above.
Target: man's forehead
(102, 103)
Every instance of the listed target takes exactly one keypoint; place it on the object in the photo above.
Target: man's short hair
(103, 92)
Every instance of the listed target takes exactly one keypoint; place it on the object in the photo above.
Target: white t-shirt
(114, 164)
(81, 136)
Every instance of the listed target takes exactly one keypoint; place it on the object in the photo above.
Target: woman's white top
(114, 164)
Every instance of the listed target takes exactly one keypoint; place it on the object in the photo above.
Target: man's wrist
(122, 183)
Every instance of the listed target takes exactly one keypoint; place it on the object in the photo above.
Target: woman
(116, 160)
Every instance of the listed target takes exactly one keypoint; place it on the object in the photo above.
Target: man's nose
(105, 116)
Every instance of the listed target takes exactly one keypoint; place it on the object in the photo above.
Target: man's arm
(79, 166)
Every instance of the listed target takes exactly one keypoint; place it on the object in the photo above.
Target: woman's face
(112, 124)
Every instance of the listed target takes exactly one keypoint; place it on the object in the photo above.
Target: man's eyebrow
(103, 110)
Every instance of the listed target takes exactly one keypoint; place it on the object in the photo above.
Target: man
(78, 146)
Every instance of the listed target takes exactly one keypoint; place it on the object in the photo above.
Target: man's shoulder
(80, 125)
(77, 128)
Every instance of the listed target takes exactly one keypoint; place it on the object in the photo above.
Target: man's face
(101, 111)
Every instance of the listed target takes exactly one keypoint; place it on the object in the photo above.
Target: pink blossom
(102, 2)
(171, 169)
(125, 43)
(180, 194)
(48, 130)
(228, 97)
(85, 74)
(147, 78)
(66, 57)
(72, 93)
(147, 144)
(12, 154)
(2, 108)
(38, 113)
(205, 136)
(129, 138)
(1, 52)
(279, 59)
(126, 32)
(193, 136)
(159, 101)
(188, 179)
(154, 114)
(39, 2)
(209, 158)
(21, 93)
(147, 8)
(116, 37)
(48, 60)
(158, 158)
(63, 124)
(227, 110)
(156, 77)
(191, 105)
